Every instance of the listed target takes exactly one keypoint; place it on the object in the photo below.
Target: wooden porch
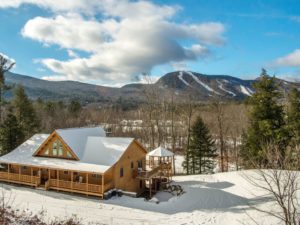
(61, 180)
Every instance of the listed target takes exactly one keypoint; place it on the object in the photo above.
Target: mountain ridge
(181, 82)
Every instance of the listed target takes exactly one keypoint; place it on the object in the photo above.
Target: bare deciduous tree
(281, 182)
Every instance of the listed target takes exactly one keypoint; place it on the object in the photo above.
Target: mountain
(204, 87)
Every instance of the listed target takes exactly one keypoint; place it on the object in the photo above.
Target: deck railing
(160, 169)
(75, 186)
(93, 189)
(19, 178)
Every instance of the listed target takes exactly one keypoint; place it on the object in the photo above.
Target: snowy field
(209, 199)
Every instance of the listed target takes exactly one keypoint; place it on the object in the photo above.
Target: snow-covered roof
(98, 154)
(76, 138)
(160, 152)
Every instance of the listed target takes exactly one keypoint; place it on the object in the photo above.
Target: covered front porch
(51, 178)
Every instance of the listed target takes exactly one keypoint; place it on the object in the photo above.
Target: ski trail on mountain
(201, 83)
(180, 76)
(222, 88)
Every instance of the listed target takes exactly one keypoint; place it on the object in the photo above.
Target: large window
(54, 149)
(60, 149)
(46, 152)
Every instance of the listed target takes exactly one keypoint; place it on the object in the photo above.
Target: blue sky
(113, 42)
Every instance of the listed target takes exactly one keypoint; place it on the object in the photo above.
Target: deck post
(31, 174)
(150, 186)
(87, 182)
(8, 171)
(57, 177)
(19, 172)
(49, 177)
(71, 180)
(102, 176)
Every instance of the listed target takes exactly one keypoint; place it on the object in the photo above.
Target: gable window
(46, 152)
(121, 172)
(54, 148)
(60, 149)
(69, 154)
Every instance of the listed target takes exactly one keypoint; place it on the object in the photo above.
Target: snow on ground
(209, 199)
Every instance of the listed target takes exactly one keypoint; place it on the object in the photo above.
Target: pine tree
(25, 112)
(293, 116)
(11, 134)
(202, 151)
(5, 66)
(266, 121)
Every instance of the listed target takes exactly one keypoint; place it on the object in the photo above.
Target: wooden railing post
(87, 182)
(19, 173)
(31, 173)
(8, 171)
(71, 180)
(57, 181)
(102, 184)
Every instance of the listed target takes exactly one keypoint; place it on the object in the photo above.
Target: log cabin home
(85, 161)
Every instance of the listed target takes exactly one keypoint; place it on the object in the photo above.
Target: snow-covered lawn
(222, 198)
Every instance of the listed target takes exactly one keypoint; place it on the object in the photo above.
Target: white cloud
(131, 37)
(72, 54)
(292, 59)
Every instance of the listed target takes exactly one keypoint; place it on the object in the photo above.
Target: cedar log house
(84, 160)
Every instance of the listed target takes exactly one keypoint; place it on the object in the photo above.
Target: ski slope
(223, 89)
(180, 76)
(201, 83)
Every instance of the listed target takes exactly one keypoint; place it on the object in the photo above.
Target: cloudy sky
(113, 42)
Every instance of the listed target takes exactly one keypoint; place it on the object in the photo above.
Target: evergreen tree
(266, 120)
(202, 151)
(25, 112)
(5, 66)
(11, 134)
(293, 116)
